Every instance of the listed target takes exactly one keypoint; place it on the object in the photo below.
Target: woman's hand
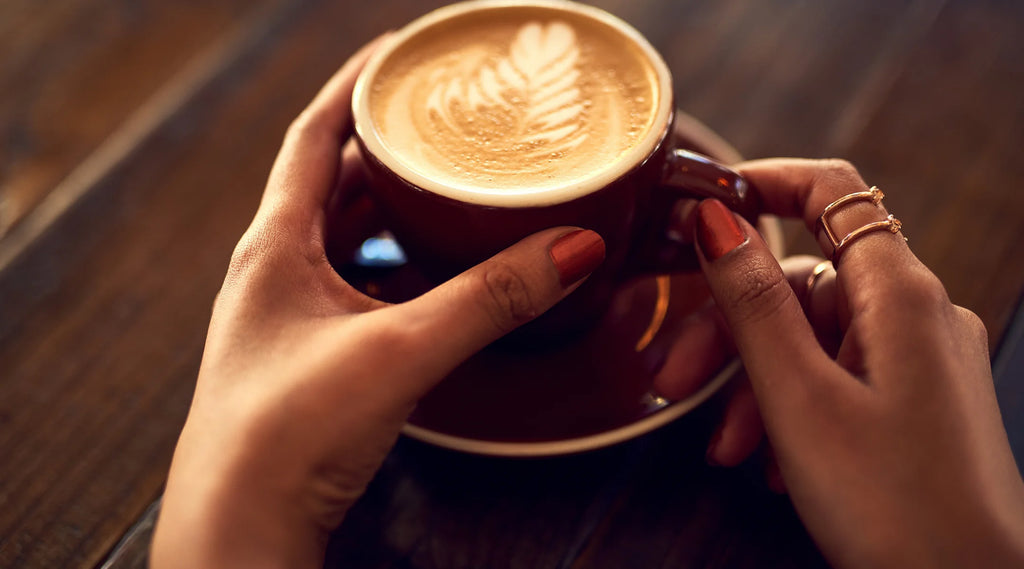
(305, 382)
(703, 344)
(889, 440)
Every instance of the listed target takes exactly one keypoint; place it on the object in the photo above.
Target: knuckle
(762, 291)
(252, 250)
(832, 179)
(912, 292)
(836, 177)
(306, 126)
(836, 171)
(401, 336)
(300, 125)
(921, 292)
(974, 325)
(507, 297)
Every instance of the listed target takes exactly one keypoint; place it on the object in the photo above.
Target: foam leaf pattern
(534, 89)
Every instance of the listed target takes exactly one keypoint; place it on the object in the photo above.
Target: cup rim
(627, 162)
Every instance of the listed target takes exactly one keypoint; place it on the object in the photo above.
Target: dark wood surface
(135, 138)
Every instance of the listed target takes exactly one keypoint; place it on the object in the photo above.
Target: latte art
(527, 103)
(515, 102)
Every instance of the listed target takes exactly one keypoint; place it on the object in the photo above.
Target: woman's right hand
(892, 448)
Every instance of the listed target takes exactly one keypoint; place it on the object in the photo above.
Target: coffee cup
(485, 121)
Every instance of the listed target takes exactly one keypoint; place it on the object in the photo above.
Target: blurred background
(136, 135)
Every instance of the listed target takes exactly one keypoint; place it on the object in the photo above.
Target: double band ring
(874, 195)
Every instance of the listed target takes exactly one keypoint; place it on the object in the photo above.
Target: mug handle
(693, 175)
(665, 245)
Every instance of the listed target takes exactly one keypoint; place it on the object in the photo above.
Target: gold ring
(812, 280)
(874, 195)
(890, 224)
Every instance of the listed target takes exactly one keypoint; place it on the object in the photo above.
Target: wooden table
(135, 138)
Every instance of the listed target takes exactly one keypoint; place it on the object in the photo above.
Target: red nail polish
(718, 232)
(576, 255)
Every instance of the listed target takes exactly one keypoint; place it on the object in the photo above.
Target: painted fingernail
(718, 232)
(576, 255)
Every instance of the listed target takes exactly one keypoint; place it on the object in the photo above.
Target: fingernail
(709, 456)
(718, 232)
(576, 255)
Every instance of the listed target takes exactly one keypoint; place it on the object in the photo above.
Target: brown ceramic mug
(485, 121)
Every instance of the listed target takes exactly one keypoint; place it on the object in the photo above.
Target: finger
(814, 282)
(740, 432)
(878, 278)
(307, 165)
(803, 188)
(702, 343)
(463, 315)
(774, 339)
(698, 349)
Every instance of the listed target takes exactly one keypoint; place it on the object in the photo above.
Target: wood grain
(102, 322)
(945, 145)
(73, 71)
(103, 307)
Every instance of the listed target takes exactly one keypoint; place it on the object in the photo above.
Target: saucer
(585, 393)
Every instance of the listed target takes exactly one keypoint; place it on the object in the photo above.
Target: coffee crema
(514, 99)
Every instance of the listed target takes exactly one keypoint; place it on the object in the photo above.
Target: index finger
(304, 172)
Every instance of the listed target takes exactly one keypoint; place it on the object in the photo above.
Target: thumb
(774, 339)
(491, 299)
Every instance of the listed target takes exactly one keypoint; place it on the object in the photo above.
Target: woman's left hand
(305, 382)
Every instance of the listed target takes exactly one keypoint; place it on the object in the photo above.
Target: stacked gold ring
(874, 195)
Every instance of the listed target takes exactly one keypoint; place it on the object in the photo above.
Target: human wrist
(222, 508)
(989, 539)
(228, 534)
